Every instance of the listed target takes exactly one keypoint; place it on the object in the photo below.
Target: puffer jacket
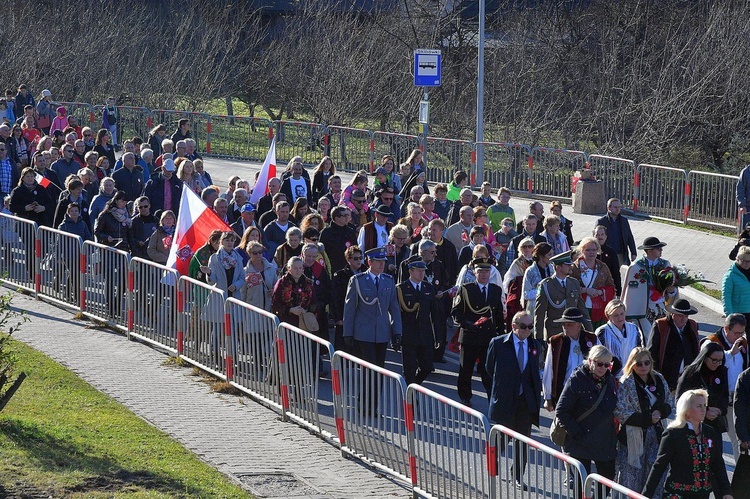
(735, 291)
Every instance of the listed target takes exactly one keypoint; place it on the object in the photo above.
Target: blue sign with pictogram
(427, 68)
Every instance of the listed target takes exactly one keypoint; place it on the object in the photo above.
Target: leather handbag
(309, 322)
(558, 434)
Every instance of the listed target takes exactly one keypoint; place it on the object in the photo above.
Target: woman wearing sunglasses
(709, 373)
(642, 404)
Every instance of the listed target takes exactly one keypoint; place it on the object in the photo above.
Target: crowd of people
(545, 319)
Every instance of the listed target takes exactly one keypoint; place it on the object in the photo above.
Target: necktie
(377, 282)
(418, 288)
(519, 355)
(484, 293)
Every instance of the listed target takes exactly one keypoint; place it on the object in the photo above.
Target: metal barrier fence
(133, 122)
(255, 364)
(712, 199)
(448, 446)
(199, 125)
(18, 251)
(596, 487)
(552, 169)
(618, 175)
(301, 365)
(398, 145)
(84, 113)
(104, 284)
(351, 149)
(445, 156)
(507, 165)
(370, 422)
(240, 137)
(152, 314)
(547, 471)
(60, 267)
(662, 192)
(298, 138)
(203, 322)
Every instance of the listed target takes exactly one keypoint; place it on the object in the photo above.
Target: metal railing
(599, 487)
(254, 368)
(300, 358)
(371, 431)
(712, 199)
(19, 249)
(203, 318)
(152, 314)
(398, 145)
(448, 446)
(551, 170)
(663, 192)
(618, 175)
(351, 149)
(240, 137)
(60, 267)
(507, 165)
(104, 284)
(299, 138)
(446, 156)
(547, 471)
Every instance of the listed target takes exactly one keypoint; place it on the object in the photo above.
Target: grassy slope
(61, 436)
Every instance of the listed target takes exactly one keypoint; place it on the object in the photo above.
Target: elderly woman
(413, 221)
(224, 269)
(597, 286)
(708, 371)
(642, 404)
(618, 335)
(293, 293)
(161, 240)
(291, 247)
(554, 236)
(693, 453)
(513, 280)
(585, 410)
(260, 277)
(735, 287)
(536, 273)
(401, 251)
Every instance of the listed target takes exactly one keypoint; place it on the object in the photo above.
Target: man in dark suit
(478, 310)
(619, 235)
(266, 203)
(419, 307)
(513, 361)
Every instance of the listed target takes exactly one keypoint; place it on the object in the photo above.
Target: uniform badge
(588, 344)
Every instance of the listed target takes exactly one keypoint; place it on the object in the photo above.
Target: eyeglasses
(68, 150)
(2, 149)
(87, 135)
(602, 364)
(716, 361)
(643, 363)
(356, 258)
(387, 198)
(523, 326)
(144, 206)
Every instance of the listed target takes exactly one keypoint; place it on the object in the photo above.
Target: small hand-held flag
(267, 172)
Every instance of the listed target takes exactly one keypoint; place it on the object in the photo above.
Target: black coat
(595, 437)
(435, 273)
(417, 326)
(675, 451)
(336, 239)
(507, 379)
(319, 186)
(339, 283)
(742, 407)
(131, 181)
(21, 196)
(717, 386)
(140, 232)
(106, 226)
(155, 192)
(608, 257)
(628, 242)
(470, 297)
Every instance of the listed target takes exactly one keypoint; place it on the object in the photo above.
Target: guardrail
(351, 149)
(618, 175)
(19, 248)
(551, 170)
(663, 192)
(448, 446)
(599, 487)
(299, 138)
(152, 315)
(104, 284)
(507, 164)
(376, 435)
(59, 267)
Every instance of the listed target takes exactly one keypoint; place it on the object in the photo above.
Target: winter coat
(735, 291)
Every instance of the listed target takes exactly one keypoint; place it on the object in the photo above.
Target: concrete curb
(709, 302)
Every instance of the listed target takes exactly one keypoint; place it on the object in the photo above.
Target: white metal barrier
(18, 252)
(507, 165)
(596, 487)
(552, 170)
(547, 471)
(618, 175)
(298, 138)
(201, 310)
(445, 156)
(663, 192)
(152, 314)
(254, 368)
(398, 145)
(448, 446)
(300, 361)
(60, 267)
(374, 433)
(104, 284)
(713, 199)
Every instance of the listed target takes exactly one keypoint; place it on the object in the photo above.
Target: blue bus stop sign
(427, 68)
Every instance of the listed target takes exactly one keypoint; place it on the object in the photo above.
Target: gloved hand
(396, 343)
(348, 341)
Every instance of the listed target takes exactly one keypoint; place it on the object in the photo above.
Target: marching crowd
(546, 320)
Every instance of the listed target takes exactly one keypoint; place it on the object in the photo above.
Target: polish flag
(267, 172)
(195, 223)
(43, 181)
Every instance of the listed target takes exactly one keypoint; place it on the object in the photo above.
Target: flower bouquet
(678, 276)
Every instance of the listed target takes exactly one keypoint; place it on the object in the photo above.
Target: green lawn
(62, 438)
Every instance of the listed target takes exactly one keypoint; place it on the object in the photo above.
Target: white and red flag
(43, 181)
(195, 223)
(267, 172)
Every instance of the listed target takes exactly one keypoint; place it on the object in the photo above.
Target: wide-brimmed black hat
(681, 306)
(383, 210)
(651, 243)
(572, 314)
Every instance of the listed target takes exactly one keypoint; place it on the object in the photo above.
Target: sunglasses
(3, 149)
(87, 135)
(602, 364)
(643, 363)
(144, 206)
(524, 326)
(356, 258)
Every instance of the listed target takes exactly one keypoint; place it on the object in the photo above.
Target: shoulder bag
(557, 433)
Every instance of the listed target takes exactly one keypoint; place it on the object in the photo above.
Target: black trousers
(417, 363)
(522, 424)
(469, 354)
(374, 353)
(604, 468)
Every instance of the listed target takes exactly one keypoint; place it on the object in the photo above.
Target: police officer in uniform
(478, 310)
(419, 308)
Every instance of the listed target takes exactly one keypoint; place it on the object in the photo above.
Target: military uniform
(418, 308)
